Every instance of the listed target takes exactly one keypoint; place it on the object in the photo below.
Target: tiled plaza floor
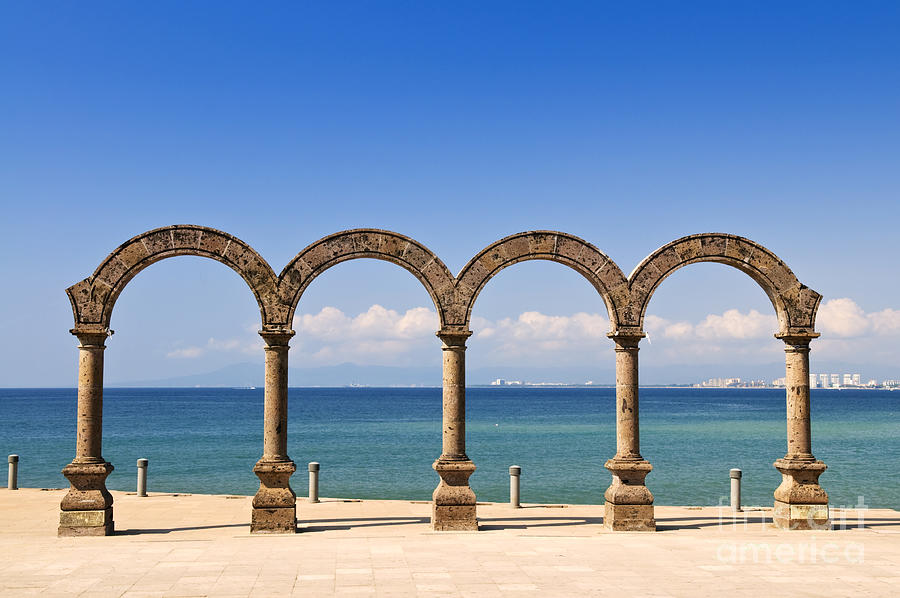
(194, 545)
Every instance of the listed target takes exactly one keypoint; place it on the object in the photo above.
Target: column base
(629, 518)
(448, 518)
(453, 507)
(282, 520)
(275, 504)
(801, 516)
(629, 503)
(86, 523)
(800, 502)
(86, 509)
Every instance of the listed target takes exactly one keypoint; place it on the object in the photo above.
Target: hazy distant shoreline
(479, 386)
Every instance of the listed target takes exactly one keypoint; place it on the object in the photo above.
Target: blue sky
(455, 123)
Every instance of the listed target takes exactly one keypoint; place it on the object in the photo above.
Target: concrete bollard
(12, 482)
(142, 477)
(515, 474)
(313, 482)
(736, 489)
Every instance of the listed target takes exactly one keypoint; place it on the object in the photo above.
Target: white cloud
(842, 318)
(535, 326)
(730, 325)
(381, 336)
(717, 338)
(533, 336)
(377, 323)
(186, 353)
(885, 322)
(378, 336)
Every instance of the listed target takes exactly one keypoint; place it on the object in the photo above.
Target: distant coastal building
(835, 381)
(502, 382)
(731, 383)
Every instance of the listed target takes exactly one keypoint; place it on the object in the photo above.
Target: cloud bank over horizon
(382, 336)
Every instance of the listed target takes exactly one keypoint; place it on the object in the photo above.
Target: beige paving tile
(199, 554)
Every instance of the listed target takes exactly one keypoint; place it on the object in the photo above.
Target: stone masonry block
(213, 242)
(540, 243)
(132, 254)
(186, 238)
(158, 241)
(713, 245)
(629, 518)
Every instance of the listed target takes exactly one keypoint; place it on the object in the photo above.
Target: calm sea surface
(380, 442)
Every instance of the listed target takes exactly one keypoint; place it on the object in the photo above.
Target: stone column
(275, 504)
(453, 506)
(86, 510)
(800, 503)
(629, 503)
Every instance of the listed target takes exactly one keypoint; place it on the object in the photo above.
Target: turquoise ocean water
(380, 442)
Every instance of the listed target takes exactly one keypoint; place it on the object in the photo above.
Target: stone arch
(795, 303)
(384, 245)
(599, 270)
(94, 297)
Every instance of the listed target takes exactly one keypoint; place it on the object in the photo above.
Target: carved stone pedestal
(629, 503)
(800, 503)
(86, 510)
(275, 504)
(453, 507)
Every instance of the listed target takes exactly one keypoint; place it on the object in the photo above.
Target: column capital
(454, 336)
(626, 338)
(798, 340)
(277, 337)
(92, 335)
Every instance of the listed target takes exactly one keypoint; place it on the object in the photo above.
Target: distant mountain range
(252, 374)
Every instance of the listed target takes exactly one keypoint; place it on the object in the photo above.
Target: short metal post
(736, 489)
(515, 474)
(142, 477)
(12, 482)
(313, 482)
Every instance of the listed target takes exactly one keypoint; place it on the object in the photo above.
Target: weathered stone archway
(799, 501)
(274, 504)
(599, 270)
(794, 303)
(87, 507)
(346, 245)
(94, 297)
(455, 502)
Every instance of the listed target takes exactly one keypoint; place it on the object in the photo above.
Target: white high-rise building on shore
(836, 381)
